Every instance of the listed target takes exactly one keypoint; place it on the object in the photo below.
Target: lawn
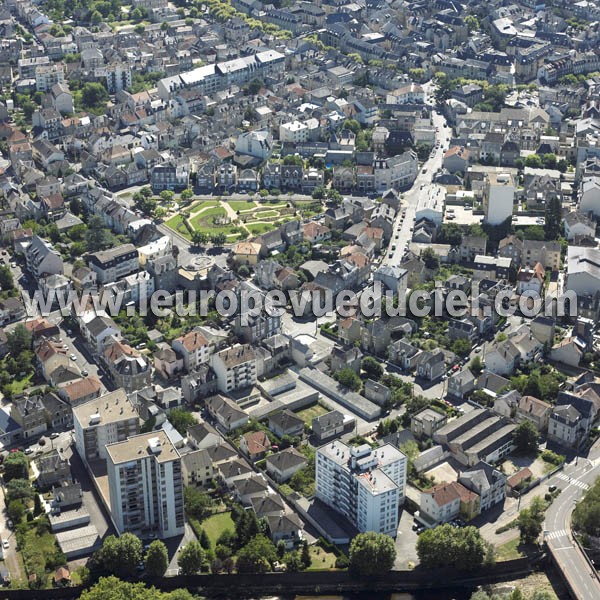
(216, 525)
(512, 550)
(259, 228)
(177, 224)
(204, 221)
(320, 559)
(308, 414)
(39, 548)
(265, 214)
(17, 386)
(241, 205)
(202, 205)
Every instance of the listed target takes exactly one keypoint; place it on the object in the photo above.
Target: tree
(553, 225)
(191, 558)
(461, 346)
(157, 559)
(476, 365)
(218, 239)
(146, 205)
(182, 420)
(530, 521)
(93, 95)
(199, 238)
(472, 23)
(6, 279)
(97, 236)
(204, 541)
(197, 503)
(19, 489)
(533, 161)
(121, 555)
(450, 233)
(15, 511)
(348, 378)
(459, 548)
(111, 588)
(257, 555)
(16, 466)
(186, 195)
(526, 438)
(372, 367)
(305, 556)
(372, 554)
(431, 260)
(19, 339)
(167, 196)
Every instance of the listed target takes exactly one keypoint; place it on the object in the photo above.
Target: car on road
(84, 373)
(13, 265)
(28, 450)
(477, 350)
(73, 357)
(54, 435)
(5, 544)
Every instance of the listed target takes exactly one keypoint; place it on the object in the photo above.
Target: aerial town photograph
(299, 300)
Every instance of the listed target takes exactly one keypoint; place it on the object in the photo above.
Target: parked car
(54, 435)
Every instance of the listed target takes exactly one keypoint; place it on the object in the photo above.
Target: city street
(403, 226)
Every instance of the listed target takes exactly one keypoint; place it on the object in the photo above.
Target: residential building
(102, 421)
(146, 485)
(194, 348)
(42, 259)
(114, 263)
(487, 482)
(235, 367)
(427, 422)
(328, 426)
(498, 197)
(366, 486)
(445, 502)
(282, 466)
(29, 413)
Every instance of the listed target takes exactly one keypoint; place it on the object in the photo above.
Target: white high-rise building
(366, 485)
(146, 485)
(498, 197)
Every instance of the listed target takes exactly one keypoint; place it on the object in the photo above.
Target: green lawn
(216, 525)
(39, 549)
(241, 205)
(17, 386)
(308, 414)
(177, 224)
(259, 228)
(320, 559)
(265, 214)
(202, 204)
(510, 550)
(204, 221)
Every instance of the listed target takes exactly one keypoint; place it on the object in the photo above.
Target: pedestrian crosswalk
(554, 535)
(575, 482)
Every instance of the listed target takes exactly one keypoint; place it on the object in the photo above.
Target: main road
(403, 226)
(574, 480)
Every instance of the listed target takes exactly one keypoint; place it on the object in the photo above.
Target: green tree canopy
(347, 377)
(526, 438)
(19, 339)
(120, 555)
(182, 420)
(157, 559)
(372, 554)
(111, 588)
(372, 367)
(459, 548)
(191, 558)
(15, 466)
(257, 556)
(197, 503)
